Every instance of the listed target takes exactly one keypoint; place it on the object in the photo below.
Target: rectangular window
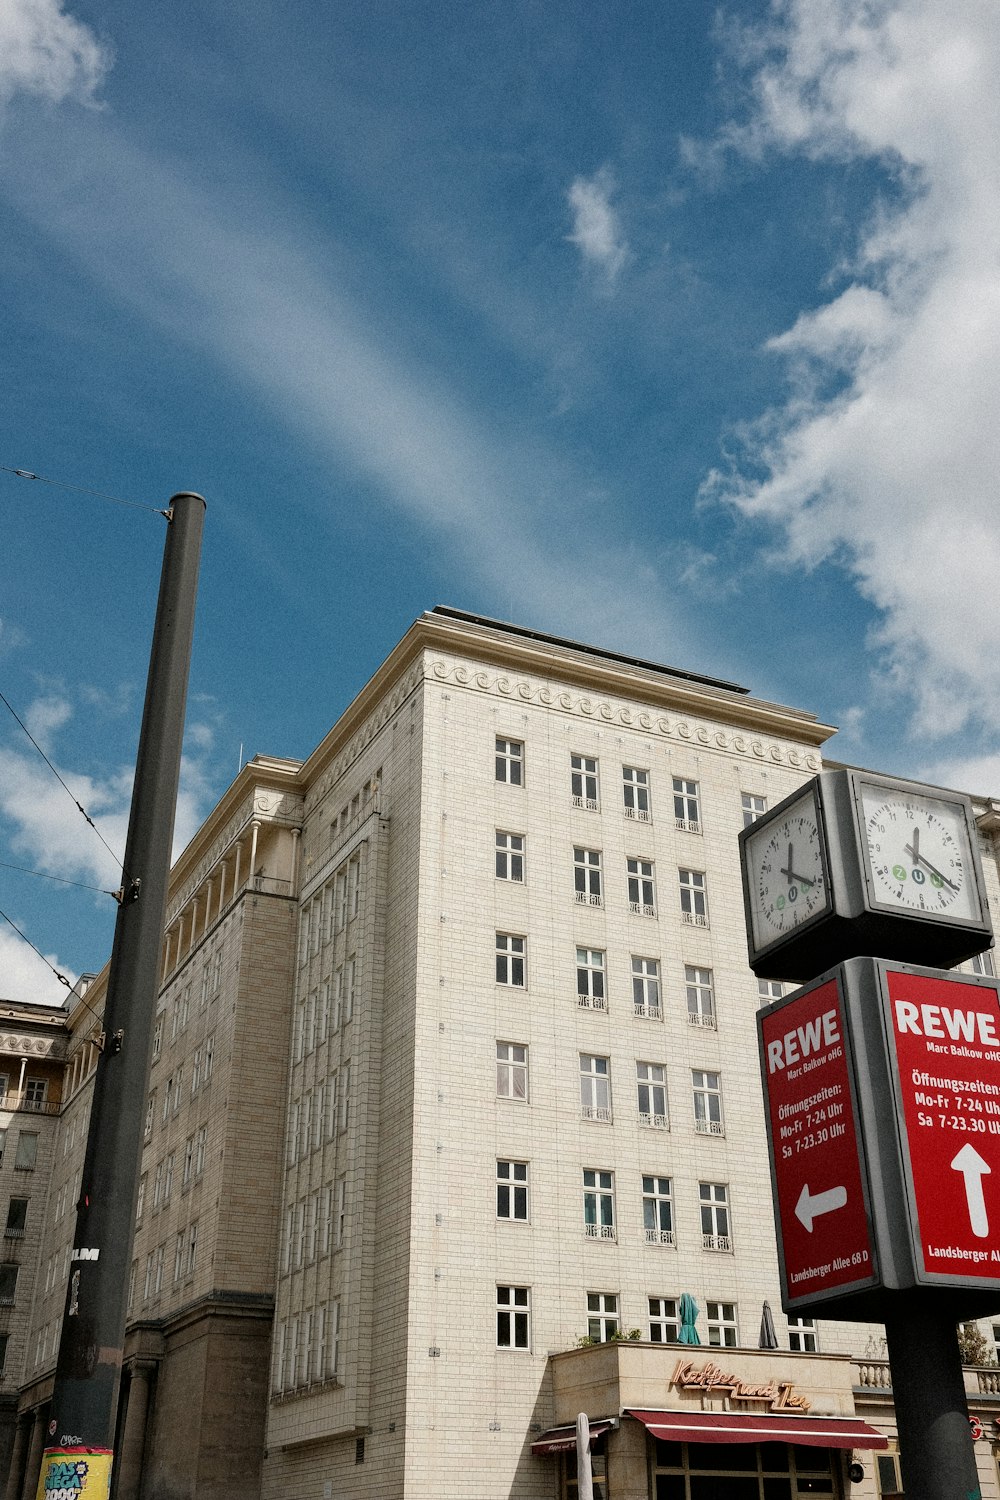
(200, 1145)
(641, 890)
(325, 1219)
(769, 989)
(590, 986)
(345, 1095)
(583, 782)
(17, 1217)
(510, 762)
(157, 1038)
(664, 1324)
(35, 1090)
(179, 1255)
(350, 986)
(602, 1316)
(635, 790)
(196, 1070)
(168, 1177)
(341, 1211)
(722, 1327)
(707, 1091)
(161, 1252)
(192, 1249)
(700, 997)
(714, 1200)
(694, 898)
(512, 1190)
(754, 807)
(657, 1211)
(646, 987)
(512, 1071)
(510, 856)
(510, 959)
(187, 1171)
(587, 878)
(982, 964)
(651, 1085)
(686, 812)
(595, 1088)
(26, 1155)
(158, 1185)
(513, 1317)
(140, 1201)
(599, 1205)
(802, 1335)
(147, 1280)
(334, 1366)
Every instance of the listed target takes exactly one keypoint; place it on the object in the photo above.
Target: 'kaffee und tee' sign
(825, 1238)
(945, 1032)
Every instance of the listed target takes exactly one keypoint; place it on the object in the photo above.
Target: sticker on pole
(946, 1035)
(820, 1205)
(75, 1474)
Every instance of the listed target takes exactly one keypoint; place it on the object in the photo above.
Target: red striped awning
(744, 1427)
(563, 1439)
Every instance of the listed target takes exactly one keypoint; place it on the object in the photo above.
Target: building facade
(455, 1113)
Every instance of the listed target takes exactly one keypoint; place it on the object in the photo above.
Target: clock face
(919, 853)
(788, 872)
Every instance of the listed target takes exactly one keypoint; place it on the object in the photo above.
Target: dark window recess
(17, 1216)
(359, 1450)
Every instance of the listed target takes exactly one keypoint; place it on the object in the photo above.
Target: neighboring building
(454, 1068)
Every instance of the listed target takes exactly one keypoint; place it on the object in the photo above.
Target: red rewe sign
(946, 1036)
(825, 1238)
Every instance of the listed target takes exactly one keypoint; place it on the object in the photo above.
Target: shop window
(740, 1471)
(890, 1481)
(570, 1488)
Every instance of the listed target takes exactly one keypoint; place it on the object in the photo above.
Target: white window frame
(512, 1201)
(722, 1323)
(509, 761)
(646, 987)
(768, 990)
(694, 897)
(588, 876)
(595, 1088)
(657, 1210)
(511, 960)
(651, 1095)
(803, 1335)
(699, 985)
(716, 1225)
(602, 1316)
(706, 1091)
(599, 1204)
(753, 806)
(687, 805)
(664, 1320)
(591, 979)
(510, 856)
(512, 1072)
(641, 882)
(513, 1307)
(636, 794)
(584, 781)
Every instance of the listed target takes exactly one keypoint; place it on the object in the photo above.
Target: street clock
(857, 864)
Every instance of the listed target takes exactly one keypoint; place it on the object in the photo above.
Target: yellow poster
(75, 1474)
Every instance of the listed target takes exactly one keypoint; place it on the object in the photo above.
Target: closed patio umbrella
(689, 1314)
(768, 1338)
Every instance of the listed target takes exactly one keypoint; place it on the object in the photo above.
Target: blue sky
(668, 328)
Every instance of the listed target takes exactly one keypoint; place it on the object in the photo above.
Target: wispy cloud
(26, 977)
(45, 52)
(885, 455)
(597, 232)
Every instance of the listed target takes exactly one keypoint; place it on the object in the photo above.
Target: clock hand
(790, 874)
(918, 859)
(916, 846)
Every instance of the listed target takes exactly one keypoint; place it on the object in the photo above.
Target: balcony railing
(14, 1101)
(641, 909)
(703, 1018)
(650, 1010)
(600, 1231)
(590, 803)
(640, 814)
(589, 898)
(652, 1121)
(592, 1002)
(597, 1112)
(687, 825)
(660, 1237)
(709, 1127)
(716, 1242)
(694, 918)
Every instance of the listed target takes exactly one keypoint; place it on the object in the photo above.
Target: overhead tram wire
(83, 490)
(78, 805)
(61, 977)
(62, 879)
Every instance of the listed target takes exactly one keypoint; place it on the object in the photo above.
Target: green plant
(974, 1346)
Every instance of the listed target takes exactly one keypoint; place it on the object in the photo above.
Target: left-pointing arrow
(809, 1207)
(973, 1168)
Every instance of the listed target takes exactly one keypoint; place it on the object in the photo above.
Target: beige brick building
(455, 1067)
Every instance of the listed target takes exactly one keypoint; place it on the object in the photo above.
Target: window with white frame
(510, 959)
(512, 1071)
(753, 807)
(599, 1204)
(583, 782)
(158, 1185)
(325, 1219)
(345, 1095)
(646, 987)
(200, 1147)
(982, 964)
(157, 1038)
(334, 1340)
(350, 986)
(591, 992)
(140, 1201)
(657, 1210)
(341, 1222)
(187, 1170)
(651, 1087)
(802, 1335)
(595, 1087)
(635, 792)
(890, 1481)
(512, 1190)
(513, 1317)
(510, 762)
(641, 887)
(700, 996)
(723, 1329)
(687, 814)
(602, 1316)
(715, 1229)
(707, 1092)
(510, 856)
(694, 897)
(179, 1246)
(587, 877)
(664, 1323)
(769, 989)
(168, 1177)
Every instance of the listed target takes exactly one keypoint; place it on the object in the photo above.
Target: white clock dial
(919, 853)
(787, 868)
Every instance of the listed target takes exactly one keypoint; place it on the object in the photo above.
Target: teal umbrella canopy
(689, 1316)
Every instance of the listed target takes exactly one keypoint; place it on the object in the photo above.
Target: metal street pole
(936, 1450)
(85, 1397)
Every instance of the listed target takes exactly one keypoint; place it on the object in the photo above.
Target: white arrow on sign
(973, 1168)
(810, 1206)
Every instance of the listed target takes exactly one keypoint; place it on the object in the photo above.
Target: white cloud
(45, 52)
(895, 474)
(596, 230)
(26, 977)
(45, 717)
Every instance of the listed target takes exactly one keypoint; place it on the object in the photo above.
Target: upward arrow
(973, 1168)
